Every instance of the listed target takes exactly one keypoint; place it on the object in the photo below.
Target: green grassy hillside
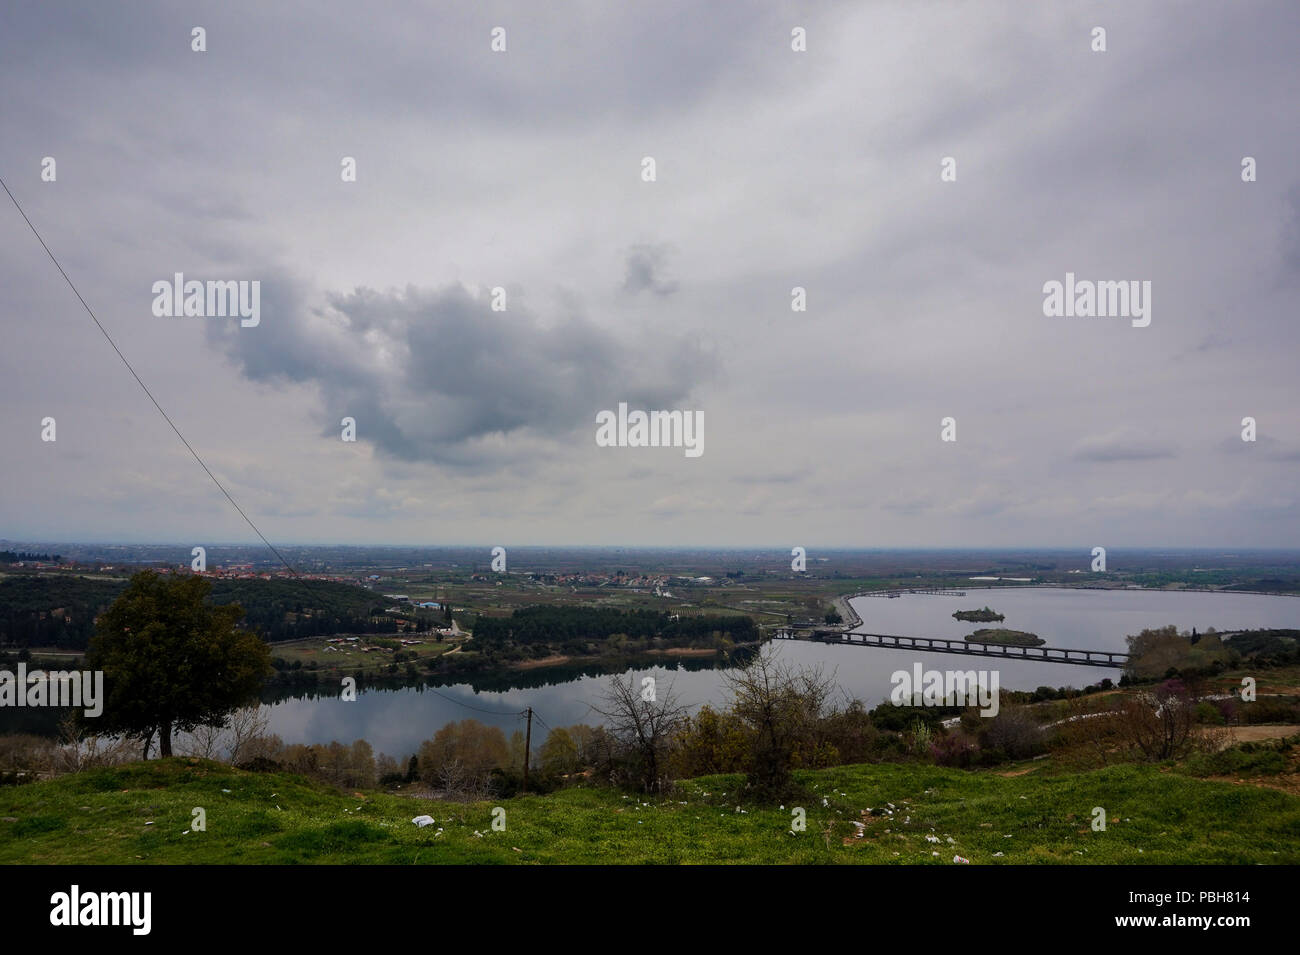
(142, 813)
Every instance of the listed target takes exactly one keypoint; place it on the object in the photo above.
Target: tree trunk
(165, 738)
(148, 741)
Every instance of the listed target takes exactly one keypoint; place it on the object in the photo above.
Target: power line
(142, 384)
(470, 706)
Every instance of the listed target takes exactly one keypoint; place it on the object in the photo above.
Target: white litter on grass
(931, 838)
(961, 860)
(225, 790)
(997, 854)
(423, 821)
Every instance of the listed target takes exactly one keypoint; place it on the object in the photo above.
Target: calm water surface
(396, 721)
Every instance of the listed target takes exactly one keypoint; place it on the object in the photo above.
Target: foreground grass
(142, 813)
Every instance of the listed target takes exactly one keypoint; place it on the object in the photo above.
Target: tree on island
(172, 661)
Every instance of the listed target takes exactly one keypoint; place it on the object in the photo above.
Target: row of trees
(558, 625)
(59, 610)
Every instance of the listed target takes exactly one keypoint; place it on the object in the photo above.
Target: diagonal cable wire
(471, 706)
(109, 338)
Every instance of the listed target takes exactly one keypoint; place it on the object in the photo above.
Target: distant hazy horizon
(813, 549)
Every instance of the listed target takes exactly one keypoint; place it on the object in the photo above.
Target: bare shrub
(781, 707)
(641, 732)
(1157, 724)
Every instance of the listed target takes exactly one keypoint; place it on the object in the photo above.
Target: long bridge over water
(931, 591)
(1093, 658)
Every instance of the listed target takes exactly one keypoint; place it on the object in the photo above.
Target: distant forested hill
(286, 609)
(57, 610)
(52, 610)
(572, 626)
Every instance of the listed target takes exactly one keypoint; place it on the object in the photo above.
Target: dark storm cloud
(436, 375)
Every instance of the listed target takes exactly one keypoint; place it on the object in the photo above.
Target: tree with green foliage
(173, 661)
(559, 754)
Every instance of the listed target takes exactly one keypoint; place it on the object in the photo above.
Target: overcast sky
(775, 168)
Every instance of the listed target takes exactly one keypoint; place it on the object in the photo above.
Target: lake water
(397, 721)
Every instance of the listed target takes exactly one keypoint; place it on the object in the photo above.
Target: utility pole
(528, 745)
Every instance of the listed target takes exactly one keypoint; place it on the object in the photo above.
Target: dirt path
(1253, 734)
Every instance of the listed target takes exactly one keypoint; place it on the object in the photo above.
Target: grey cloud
(1264, 446)
(1126, 444)
(436, 375)
(520, 169)
(645, 264)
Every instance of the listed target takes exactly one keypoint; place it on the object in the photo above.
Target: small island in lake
(980, 616)
(1010, 638)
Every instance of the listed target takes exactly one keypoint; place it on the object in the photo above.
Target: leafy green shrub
(1248, 759)
(1208, 713)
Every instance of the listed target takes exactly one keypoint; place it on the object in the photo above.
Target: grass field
(142, 813)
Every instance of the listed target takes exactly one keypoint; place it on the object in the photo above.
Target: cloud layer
(776, 169)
